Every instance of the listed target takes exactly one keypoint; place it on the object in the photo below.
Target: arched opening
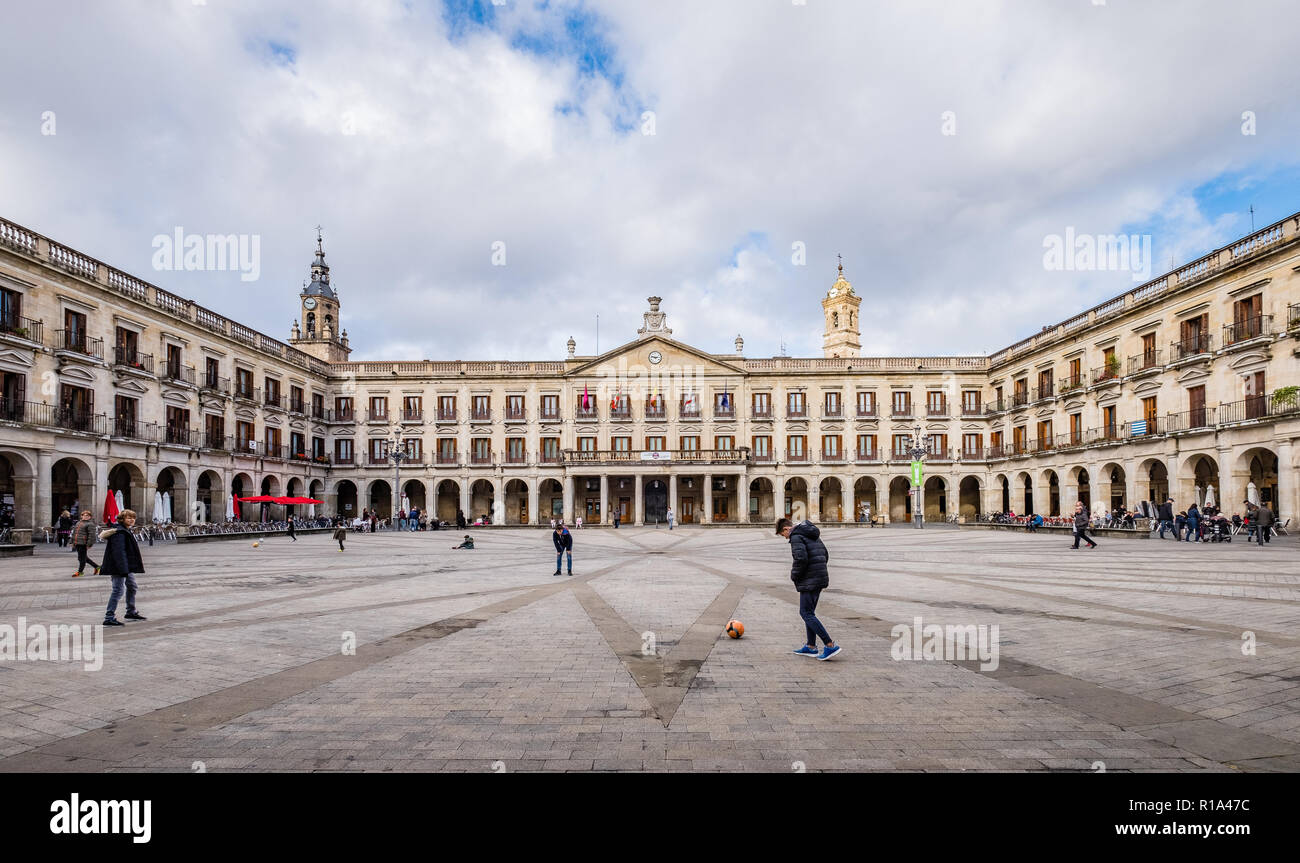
(900, 499)
(380, 499)
(655, 493)
(480, 500)
(516, 502)
(762, 501)
(1005, 485)
(208, 497)
(241, 485)
(1199, 481)
(1261, 478)
(968, 498)
(17, 492)
(1053, 483)
(936, 499)
(347, 500)
(865, 504)
(830, 498)
(1157, 483)
(448, 500)
(123, 477)
(292, 488)
(315, 491)
(1111, 487)
(270, 488)
(796, 499)
(169, 502)
(413, 496)
(1026, 490)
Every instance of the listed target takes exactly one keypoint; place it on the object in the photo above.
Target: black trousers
(1081, 533)
(83, 557)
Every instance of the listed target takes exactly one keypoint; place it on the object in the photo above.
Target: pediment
(972, 427)
(1045, 412)
(274, 421)
(676, 360)
(1249, 359)
(1148, 386)
(1074, 404)
(177, 398)
(131, 385)
(16, 359)
(245, 414)
(76, 373)
(1194, 374)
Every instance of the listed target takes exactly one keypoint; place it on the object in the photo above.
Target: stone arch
(1051, 486)
(969, 496)
(128, 478)
(935, 499)
(796, 499)
(865, 500)
(1004, 485)
(414, 492)
(241, 485)
(171, 481)
(1022, 492)
(18, 490)
(1261, 467)
(447, 498)
(1196, 474)
(481, 499)
(1078, 486)
(345, 496)
(516, 501)
(900, 499)
(210, 496)
(379, 498)
(830, 500)
(1153, 482)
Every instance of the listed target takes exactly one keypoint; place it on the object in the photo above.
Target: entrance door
(593, 511)
(720, 509)
(624, 509)
(523, 511)
(656, 502)
(688, 510)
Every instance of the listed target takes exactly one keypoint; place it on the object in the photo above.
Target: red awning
(297, 500)
(261, 498)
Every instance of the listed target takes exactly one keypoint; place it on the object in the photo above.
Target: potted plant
(1285, 398)
(1112, 366)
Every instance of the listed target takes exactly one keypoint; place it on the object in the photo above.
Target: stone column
(814, 499)
(568, 498)
(1287, 504)
(847, 512)
(499, 501)
(605, 517)
(41, 515)
(638, 508)
(101, 487)
(742, 498)
(707, 516)
(778, 497)
(534, 489)
(464, 498)
(1132, 488)
(672, 496)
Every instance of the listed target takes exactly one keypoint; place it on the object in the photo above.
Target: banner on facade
(916, 473)
(654, 455)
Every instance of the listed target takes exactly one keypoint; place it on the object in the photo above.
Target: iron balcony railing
(833, 456)
(975, 410)
(832, 413)
(516, 457)
(620, 413)
(686, 413)
(656, 411)
(79, 342)
(1046, 391)
(516, 416)
(940, 410)
(217, 440)
(340, 415)
(132, 429)
(446, 458)
(480, 458)
(1109, 372)
(251, 394)
(762, 456)
(973, 453)
(180, 435)
(216, 384)
(997, 406)
(412, 415)
(273, 400)
(549, 458)
(376, 416)
(796, 413)
(1196, 418)
(866, 456)
(179, 373)
(481, 416)
(297, 406)
(132, 359)
(1247, 329)
(761, 414)
(1293, 316)
(1192, 346)
(1020, 397)
(446, 415)
(721, 413)
(1257, 408)
(715, 456)
(23, 328)
(1145, 361)
(901, 413)
(317, 411)
(796, 456)
(867, 413)
(1070, 383)
(349, 458)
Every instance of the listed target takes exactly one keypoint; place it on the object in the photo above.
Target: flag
(725, 403)
(586, 399)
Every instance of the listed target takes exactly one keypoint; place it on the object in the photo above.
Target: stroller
(1218, 530)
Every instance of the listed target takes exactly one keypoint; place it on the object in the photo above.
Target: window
(762, 405)
(762, 447)
(318, 406)
(1075, 376)
(995, 441)
(412, 408)
(654, 405)
(902, 443)
(378, 447)
(551, 446)
(481, 450)
(866, 447)
(831, 446)
(587, 444)
(1045, 384)
(178, 425)
(620, 406)
(446, 450)
(724, 405)
(1021, 393)
(902, 403)
(273, 442)
(550, 407)
(174, 362)
(1076, 428)
(244, 383)
(1195, 336)
(515, 450)
(655, 443)
(343, 408)
(1149, 355)
(446, 407)
(1109, 364)
(690, 443)
(74, 331)
(245, 439)
(831, 405)
(586, 406)
(866, 404)
(127, 343)
(378, 407)
(937, 445)
(124, 416)
(1196, 405)
(1018, 438)
(936, 403)
(621, 445)
(1044, 435)
(343, 451)
(795, 404)
(970, 402)
(514, 407)
(482, 406)
(214, 431)
(272, 385)
(972, 445)
(794, 448)
(11, 310)
(318, 448)
(297, 400)
(1247, 316)
(1109, 426)
(724, 442)
(1149, 410)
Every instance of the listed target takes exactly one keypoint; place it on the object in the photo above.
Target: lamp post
(920, 446)
(398, 454)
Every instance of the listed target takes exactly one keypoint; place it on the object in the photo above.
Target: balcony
(1256, 408)
(797, 457)
(1147, 361)
(972, 410)
(480, 416)
(796, 414)
(248, 394)
(342, 458)
(318, 411)
(1043, 392)
(216, 440)
(761, 415)
(1020, 398)
(448, 458)
(1196, 418)
(998, 406)
(247, 446)
(833, 457)
(132, 429)
(655, 412)
(215, 384)
(721, 413)
(273, 400)
(1198, 345)
(177, 373)
(944, 455)
(972, 453)
(550, 457)
(447, 415)
(1145, 428)
(129, 358)
(77, 342)
(516, 416)
(180, 435)
(412, 415)
(1070, 383)
(688, 414)
(1247, 329)
(341, 415)
(480, 458)
(940, 410)
(866, 413)
(22, 328)
(276, 451)
(301, 456)
(377, 415)
(516, 457)
(1293, 317)
(764, 457)
(832, 413)
(297, 407)
(622, 413)
(866, 456)
(623, 456)
(1107, 374)
(898, 413)
(1070, 440)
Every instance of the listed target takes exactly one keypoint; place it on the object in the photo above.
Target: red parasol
(110, 508)
(296, 500)
(261, 498)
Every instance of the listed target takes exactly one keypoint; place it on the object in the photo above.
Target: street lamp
(920, 446)
(398, 454)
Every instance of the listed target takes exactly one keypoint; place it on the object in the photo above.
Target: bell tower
(320, 334)
(840, 305)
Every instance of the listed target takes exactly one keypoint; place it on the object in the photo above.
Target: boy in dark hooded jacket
(810, 577)
(121, 562)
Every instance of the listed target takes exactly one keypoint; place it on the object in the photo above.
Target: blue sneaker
(806, 651)
(830, 652)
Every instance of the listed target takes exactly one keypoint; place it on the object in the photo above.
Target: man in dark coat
(1081, 526)
(808, 572)
(1165, 512)
(121, 562)
(1264, 518)
(563, 544)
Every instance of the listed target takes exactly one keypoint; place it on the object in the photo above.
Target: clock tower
(841, 338)
(320, 334)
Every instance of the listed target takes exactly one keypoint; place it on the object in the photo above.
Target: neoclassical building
(1183, 386)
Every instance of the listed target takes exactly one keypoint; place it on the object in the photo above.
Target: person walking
(83, 537)
(563, 546)
(122, 562)
(1264, 519)
(64, 528)
(413, 519)
(293, 530)
(341, 532)
(1081, 526)
(670, 518)
(810, 576)
(1165, 512)
(1193, 523)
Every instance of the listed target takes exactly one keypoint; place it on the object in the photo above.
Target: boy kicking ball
(810, 578)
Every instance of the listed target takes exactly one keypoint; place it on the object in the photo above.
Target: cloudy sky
(614, 150)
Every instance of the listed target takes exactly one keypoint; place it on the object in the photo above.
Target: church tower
(840, 306)
(320, 334)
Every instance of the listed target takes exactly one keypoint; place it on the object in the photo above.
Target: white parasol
(157, 507)
(1210, 499)
(167, 506)
(121, 501)
(1252, 493)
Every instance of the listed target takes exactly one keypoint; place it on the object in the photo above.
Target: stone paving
(1130, 655)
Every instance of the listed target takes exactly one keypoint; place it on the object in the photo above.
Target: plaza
(1126, 658)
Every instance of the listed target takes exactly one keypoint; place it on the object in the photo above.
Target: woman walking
(64, 528)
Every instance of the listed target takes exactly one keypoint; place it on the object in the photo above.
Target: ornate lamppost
(920, 447)
(397, 452)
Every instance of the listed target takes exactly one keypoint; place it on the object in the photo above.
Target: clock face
(309, 303)
(655, 357)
